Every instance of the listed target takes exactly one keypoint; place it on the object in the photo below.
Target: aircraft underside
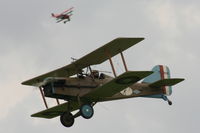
(74, 92)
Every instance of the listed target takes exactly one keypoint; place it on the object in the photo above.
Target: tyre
(170, 102)
(67, 119)
(86, 111)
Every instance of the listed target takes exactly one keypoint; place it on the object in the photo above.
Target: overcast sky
(32, 43)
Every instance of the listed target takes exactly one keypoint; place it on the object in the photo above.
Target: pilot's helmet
(95, 73)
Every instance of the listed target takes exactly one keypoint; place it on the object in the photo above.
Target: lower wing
(116, 85)
(57, 110)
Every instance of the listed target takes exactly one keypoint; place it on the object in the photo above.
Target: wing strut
(111, 63)
(125, 66)
(45, 102)
(91, 72)
(57, 101)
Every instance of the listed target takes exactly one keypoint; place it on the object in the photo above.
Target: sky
(32, 43)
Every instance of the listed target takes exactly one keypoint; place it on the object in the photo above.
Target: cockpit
(97, 75)
(94, 74)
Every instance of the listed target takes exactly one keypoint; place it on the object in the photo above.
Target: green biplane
(83, 89)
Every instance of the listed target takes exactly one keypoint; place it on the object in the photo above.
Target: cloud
(164, 15)
(12, 71)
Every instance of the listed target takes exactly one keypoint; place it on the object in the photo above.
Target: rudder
(161, 72)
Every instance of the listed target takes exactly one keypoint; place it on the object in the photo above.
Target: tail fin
(52, 15)
(161, 72)
(161, 79)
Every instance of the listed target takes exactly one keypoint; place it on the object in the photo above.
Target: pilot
(95, 73)
(102, 76)
(80, 75)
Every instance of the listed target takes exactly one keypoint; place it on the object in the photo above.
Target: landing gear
(166, 99)
(86, 111)
(67, 119)
(169, 102)
(66, 21)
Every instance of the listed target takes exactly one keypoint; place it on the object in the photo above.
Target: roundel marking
(127, 92)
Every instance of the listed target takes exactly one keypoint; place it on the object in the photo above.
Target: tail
(52, 14)
(161, 78)
(161, 72)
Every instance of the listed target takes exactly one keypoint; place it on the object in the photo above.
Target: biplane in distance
(83, 89)
(64, 16)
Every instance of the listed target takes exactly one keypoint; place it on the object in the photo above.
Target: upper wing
(113, 48)
(56, 111)
(65, 71)
(68, 13)
(96, 57)
(116, 85)
(67, 10)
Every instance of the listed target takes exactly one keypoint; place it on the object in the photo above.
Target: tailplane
(161, 73)
(161, 78)
(165, 82)
(52, 15)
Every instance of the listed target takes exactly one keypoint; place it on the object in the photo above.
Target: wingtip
(23, 83)
(140, 38)
(181, 79)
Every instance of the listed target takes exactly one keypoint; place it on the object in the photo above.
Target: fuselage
(71, 88)
(62, 16)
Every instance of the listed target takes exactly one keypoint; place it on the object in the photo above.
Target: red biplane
(64, 16)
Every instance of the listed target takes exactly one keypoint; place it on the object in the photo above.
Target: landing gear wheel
(86, 111)
(170, 102)
(67, 119)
